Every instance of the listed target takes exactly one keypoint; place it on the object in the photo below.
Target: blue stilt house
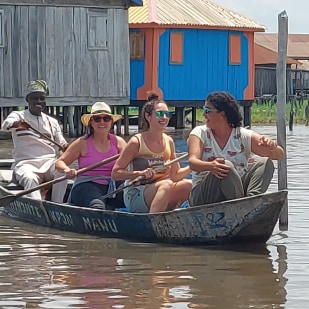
(185, 49)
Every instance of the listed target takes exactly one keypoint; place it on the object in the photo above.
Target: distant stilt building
(184, 50)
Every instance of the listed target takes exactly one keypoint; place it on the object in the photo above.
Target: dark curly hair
(223, 101)
(152, 100)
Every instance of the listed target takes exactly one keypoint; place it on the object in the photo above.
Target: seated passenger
(145, 151)
(35, 156)
(220, 153)
(99, 144)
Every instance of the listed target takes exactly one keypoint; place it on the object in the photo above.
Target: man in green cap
(35, 156)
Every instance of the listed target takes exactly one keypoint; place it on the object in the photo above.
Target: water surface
(46, 268)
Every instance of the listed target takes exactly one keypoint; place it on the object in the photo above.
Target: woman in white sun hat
(97, 145)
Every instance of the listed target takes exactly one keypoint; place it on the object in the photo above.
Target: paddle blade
(4, 201)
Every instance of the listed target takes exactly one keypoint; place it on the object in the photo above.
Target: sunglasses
(106, 118)
(208, 110)
(161, 114)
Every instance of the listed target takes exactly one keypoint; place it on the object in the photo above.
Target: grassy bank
(266, 114)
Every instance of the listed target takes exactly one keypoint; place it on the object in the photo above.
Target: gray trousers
(212, 189)
(29, 179)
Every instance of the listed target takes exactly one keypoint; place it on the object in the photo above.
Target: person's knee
(270, 165)
(29, 177)
(232, 175)
(185, 186)
(229, 163)
(97, 203)
(166, 185)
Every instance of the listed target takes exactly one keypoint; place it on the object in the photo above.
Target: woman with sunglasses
(161, 191)
(99, 144)
(220, 155)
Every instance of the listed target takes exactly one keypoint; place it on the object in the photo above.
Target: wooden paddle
(44, 136)
(136, 181)
(12, 197)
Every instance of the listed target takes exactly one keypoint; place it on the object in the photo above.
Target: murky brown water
(45, 268)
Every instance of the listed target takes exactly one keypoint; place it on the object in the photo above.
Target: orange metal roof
(263, 55)
(298, 44)
(190, 13)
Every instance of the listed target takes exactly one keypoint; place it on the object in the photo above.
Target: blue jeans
(89, 194)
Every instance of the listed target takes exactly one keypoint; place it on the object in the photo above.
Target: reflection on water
(41, 267)
(45, 268)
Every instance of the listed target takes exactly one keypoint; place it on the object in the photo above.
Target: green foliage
(267, 113)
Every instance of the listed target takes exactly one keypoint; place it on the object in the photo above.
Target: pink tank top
(93, 156)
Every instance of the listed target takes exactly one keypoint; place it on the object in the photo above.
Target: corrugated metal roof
(190, 13)
(298, 44)
(263, 55)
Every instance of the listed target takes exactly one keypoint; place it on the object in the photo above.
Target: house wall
(205, 65)
(297, 81)
(82, 53)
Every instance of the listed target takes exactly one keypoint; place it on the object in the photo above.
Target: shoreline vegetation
(261, 114)
(267, 113)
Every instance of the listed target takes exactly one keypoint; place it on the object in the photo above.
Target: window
(235, 49)
(97, 29)
(137, 45)
(176, 48)
(1, 28)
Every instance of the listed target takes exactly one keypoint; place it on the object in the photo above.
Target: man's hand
(21, 124)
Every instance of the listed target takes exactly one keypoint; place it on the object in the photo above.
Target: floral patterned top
(237, 149)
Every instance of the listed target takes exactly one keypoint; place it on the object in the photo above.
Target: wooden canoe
(246, 220)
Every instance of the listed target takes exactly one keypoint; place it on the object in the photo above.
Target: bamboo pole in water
(281, 107)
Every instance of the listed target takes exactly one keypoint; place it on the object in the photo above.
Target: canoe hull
(239, 221)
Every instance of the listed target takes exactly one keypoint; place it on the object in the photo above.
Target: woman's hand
(267, 142)
(148, 173)
(70, 173)
(266, 147)
(219, 168)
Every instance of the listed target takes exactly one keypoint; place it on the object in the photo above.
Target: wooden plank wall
(82, 53)
(266, 81)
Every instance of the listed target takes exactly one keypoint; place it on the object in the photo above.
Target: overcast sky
(266, 12)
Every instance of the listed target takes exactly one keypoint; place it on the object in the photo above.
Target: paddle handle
(62, 178)
(97, 164)
(44, 136)
(142, 177)
(159, 169)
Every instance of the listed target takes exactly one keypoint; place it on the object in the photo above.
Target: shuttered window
(235, 49)
(97, 29)
(137, 45)
(1, 28)
(176, 48)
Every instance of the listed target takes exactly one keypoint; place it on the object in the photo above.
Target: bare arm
(121, 143)
(216, 167)
(13, 121)
(73, 152)
(120, 171)
(265, 147)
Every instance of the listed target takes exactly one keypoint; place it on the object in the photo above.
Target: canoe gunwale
(186, 226)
